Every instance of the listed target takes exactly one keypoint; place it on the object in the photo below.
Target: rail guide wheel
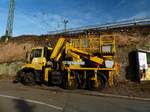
(70, 82)
(98, 84)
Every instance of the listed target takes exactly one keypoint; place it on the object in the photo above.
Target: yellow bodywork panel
(37, 63)
(46, 74)
(27, 66)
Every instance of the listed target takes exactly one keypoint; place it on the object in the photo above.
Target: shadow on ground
(23, 106)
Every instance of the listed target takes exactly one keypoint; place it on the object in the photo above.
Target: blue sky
(42, 16)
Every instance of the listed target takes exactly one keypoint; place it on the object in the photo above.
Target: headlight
(109, 63)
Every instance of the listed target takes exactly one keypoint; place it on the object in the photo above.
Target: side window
(35, 53)
(47, 53)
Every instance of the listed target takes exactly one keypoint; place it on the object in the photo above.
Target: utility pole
(9, 27)
(65, 25)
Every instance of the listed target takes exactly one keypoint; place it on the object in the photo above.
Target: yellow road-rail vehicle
(79, 63)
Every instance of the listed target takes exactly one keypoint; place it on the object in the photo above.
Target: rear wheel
(91, 84)
(29, 79)
(104, 79)
(99, 85)
(56, 78)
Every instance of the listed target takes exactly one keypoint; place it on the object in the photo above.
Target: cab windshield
(36, 53)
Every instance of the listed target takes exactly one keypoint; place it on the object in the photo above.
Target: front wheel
(19, 76)
(28, 79)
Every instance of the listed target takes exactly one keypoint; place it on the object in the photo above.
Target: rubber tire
(104, 79)
(28, 79)
(101, 84)
(58, 74)
(18, 77)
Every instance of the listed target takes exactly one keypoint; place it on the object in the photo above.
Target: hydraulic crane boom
(57, 48)
(73, 51)
(62, 46)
